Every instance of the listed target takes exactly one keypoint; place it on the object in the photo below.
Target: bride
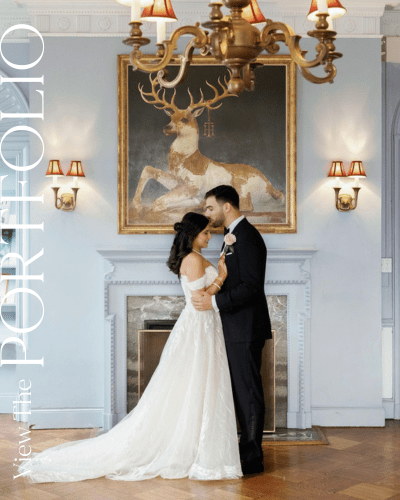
(184, 424)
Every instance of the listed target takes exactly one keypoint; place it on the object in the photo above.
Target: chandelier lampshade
(161, 10)
(335, 9)
(337, 169)
(356, 170)
(54, 168)
(253, 14)
(75, 169)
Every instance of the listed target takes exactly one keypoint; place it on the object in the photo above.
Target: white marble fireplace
(144, 273)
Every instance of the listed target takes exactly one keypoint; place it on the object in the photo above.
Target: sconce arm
(354, 200)
(57, 201)
(75, 191)
(346, 202)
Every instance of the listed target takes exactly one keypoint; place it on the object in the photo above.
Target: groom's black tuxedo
(241, 301)
(246, 325)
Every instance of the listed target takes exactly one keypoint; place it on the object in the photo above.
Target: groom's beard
(217, 222)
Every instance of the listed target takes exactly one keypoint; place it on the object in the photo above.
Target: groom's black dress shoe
(252, 467)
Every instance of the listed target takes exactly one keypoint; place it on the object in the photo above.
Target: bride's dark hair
(186, 231)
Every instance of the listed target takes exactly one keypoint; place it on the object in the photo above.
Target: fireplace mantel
(144, 272)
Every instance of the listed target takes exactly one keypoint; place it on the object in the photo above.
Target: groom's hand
(202, 301)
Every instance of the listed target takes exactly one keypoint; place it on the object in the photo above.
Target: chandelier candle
(322, 6)
(161, 26)
(135, 11)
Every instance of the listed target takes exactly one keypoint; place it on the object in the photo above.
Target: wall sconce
(67, 201)
(345, 201)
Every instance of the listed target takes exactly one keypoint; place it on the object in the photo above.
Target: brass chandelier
(233, 40)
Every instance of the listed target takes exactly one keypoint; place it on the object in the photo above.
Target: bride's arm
(194, 270)
(215, 287)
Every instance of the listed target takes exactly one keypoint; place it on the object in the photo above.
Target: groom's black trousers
(244, 360)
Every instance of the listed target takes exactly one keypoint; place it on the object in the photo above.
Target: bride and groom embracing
(184, 424)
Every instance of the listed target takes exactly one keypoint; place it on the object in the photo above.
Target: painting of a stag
(172, 164)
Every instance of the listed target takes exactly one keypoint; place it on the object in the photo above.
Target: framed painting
(175, 145)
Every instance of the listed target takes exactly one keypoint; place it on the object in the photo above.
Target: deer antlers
(217, 97)
(162, 103)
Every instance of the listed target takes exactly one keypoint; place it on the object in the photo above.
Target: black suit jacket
(241, 301)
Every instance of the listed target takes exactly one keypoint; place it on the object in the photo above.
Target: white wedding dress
(183, 426)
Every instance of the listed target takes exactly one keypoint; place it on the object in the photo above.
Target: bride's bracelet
(217, 285)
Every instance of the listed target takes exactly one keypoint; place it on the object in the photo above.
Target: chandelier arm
(315, 79)
(269, 37)
(200, 41)
(185, 60)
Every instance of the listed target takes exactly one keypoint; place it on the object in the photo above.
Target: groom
(245, 318)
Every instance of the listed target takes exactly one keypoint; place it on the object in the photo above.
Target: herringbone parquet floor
(358, 463)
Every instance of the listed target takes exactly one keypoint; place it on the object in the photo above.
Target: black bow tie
(226, 230)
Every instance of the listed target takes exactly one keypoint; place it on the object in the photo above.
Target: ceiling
(109, 18)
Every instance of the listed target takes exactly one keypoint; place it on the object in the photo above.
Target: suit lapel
(237, 230)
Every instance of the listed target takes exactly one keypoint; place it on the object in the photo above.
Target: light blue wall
(16, 53)
(339, 121)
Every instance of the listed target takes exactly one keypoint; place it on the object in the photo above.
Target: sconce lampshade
(252, 13)
(143, 3)
(54, 168)
(161, 10)
(335, 9)
(337, 169)
(356, 170)
(76, 169)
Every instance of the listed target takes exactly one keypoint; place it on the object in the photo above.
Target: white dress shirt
(231, 228)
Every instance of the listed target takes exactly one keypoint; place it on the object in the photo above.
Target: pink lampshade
(335, 9)
(161, 10)
(356, 169)
(75, 169)
(252, 13)
(54, 168)
(337, 169)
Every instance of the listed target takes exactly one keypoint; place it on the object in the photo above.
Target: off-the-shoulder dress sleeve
(197, 284)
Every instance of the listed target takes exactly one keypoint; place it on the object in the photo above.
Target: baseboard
(348, 417)
(388, 405)
(69, 418)
(6, 401)
(297, 420)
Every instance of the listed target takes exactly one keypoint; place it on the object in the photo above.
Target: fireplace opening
(150, 320)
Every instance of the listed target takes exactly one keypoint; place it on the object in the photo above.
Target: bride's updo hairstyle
(186, 231)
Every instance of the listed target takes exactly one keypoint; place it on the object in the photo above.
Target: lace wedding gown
(183, 426)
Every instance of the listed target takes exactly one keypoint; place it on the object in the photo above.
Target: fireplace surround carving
(143, 272)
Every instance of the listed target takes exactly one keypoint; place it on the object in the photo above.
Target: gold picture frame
(141, 143)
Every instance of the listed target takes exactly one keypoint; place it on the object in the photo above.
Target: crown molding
(108, 18)
(390, 23)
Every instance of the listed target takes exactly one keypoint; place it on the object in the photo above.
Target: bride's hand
(222, 269)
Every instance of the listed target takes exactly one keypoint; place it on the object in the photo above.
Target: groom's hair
(224, 194)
